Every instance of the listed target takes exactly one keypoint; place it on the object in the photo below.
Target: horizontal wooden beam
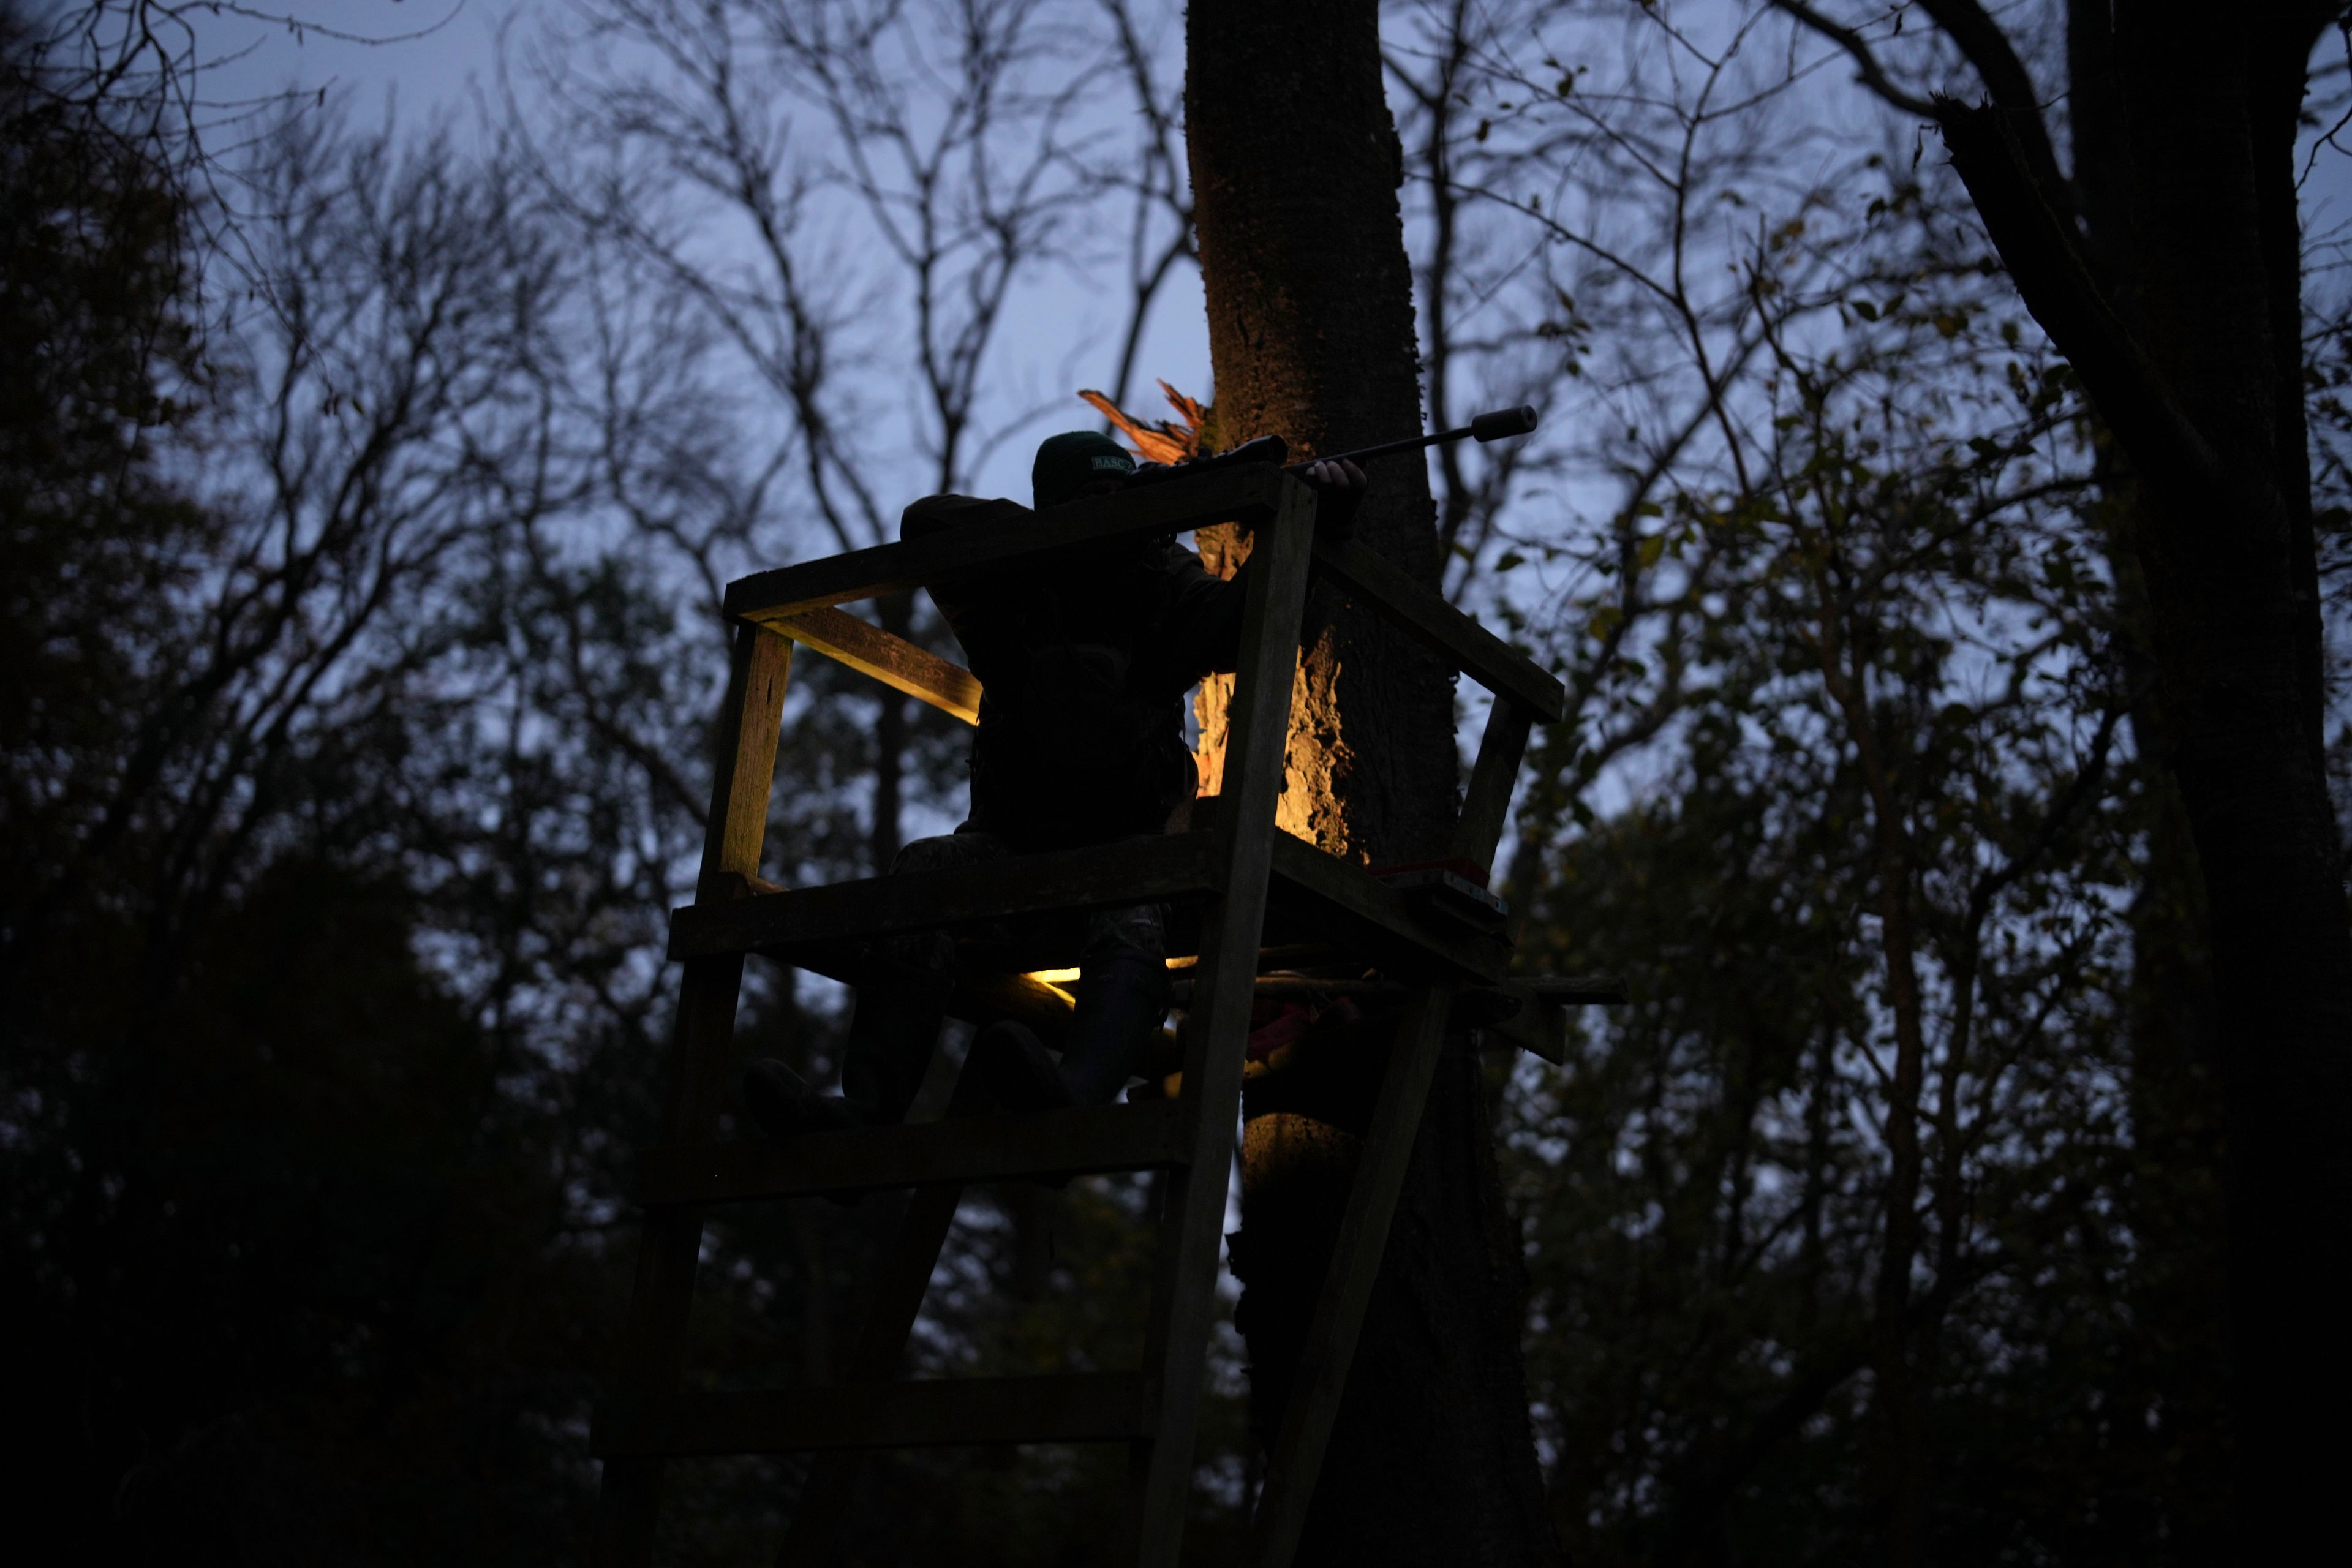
(1454, 636)
(960, 1149)
(1074, 1407)
(1132, 871)
(1577, 990)
(1352, 908)
(1248, 494)
(1334, 900)
(892, 660)
(1540, 1025)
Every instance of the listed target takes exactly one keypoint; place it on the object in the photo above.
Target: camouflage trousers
(1142, 927)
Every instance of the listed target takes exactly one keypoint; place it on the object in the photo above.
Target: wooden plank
(1297, 1458)
(1134, 871)
(892, 660)
(1074, 1408)
(1192, 1232)
(1357, 910)
(959, 1149)
(1486, 804)
(1454, 636)
(702, 1042)
(1220, 495)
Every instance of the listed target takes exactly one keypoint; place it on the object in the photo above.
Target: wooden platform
(1239, 888)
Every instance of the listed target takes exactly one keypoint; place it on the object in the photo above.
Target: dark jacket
(1084, 657)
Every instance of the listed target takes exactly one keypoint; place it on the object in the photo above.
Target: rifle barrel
(1495, 425)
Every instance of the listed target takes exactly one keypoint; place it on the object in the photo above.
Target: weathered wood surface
(1136, 871)
(892, 660)
(701, 1046)
(1074, 1408)
(990, 1148)
(1222, 495)
(1453, 636)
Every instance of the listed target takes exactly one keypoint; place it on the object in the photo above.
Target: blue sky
(440, 62)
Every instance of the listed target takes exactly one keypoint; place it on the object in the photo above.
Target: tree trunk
(2183, 318)
(2172, 1505)
(1294, 165)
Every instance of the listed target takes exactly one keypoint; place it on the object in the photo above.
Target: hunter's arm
(1200, 623)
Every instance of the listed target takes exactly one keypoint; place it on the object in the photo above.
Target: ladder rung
(1074, 1407)
(1134, 871)
(1351, 906)
(961, 1149)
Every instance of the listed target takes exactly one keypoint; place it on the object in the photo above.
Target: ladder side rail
(1192, 1197)
(1296, 1462)
(654, 1344)
(1250, 495)
(1453, 636)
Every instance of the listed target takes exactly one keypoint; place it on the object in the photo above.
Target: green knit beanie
(1069, 462)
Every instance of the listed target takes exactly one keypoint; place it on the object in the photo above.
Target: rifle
(1495, 424)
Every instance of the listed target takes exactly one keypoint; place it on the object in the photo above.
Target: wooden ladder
(1251, 886)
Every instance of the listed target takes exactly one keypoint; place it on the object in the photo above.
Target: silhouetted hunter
(1084, 661)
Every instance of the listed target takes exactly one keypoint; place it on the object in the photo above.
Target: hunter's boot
(1122, 999)
(893, 1030)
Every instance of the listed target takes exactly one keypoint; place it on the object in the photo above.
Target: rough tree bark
(2171, 279)
(1294, 165)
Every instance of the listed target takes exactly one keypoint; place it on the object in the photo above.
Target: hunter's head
(1075, 465)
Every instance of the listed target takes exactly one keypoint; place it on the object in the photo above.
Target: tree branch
(1991, 151)
(1867, 70)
